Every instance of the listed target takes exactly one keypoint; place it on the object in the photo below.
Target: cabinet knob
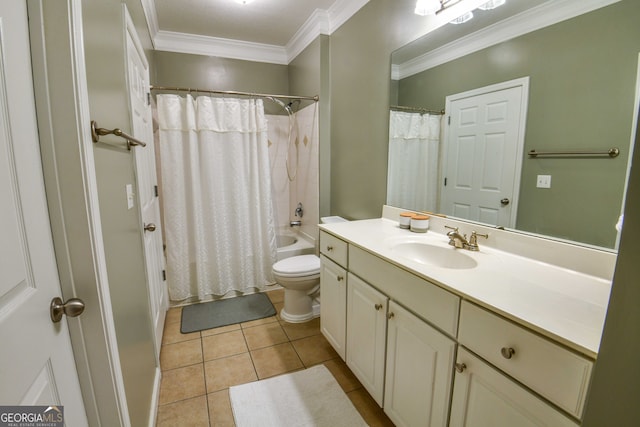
(329, 248)
(378, 307)
(340, 278)
(460, 367)
(507, 352)
(391, 315)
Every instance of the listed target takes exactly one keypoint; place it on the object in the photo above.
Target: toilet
(300, 278)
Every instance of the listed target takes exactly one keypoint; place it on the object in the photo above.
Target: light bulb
(492, 4)
(462, 18)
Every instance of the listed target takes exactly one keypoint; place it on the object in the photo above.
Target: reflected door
(36, 361)
(482, 153)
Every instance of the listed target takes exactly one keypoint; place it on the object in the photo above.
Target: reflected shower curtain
(218, 211)
(412, 178)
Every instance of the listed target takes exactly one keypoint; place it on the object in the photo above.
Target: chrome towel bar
(611, 152)
(97, 132)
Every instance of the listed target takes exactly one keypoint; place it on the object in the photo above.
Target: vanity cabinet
(484, 397)
(419, 370)
(557, 374)
(333, 291)
(366, 334)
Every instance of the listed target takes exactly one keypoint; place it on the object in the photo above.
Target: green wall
(583, 76)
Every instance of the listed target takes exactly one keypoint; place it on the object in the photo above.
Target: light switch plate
(130, 196)
(544, 181)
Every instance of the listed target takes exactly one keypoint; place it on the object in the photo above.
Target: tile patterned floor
(198, 368)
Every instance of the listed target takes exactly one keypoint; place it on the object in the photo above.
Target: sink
(437, 256)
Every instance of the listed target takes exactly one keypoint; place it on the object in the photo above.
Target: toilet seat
(297, 266)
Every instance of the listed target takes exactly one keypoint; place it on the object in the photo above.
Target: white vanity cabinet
(419, 371)
(366, 334)
(484, 397)
(333, 291)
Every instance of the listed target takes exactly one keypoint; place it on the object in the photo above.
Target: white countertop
(561, 304)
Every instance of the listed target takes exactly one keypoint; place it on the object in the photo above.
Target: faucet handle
(473, 240)
(451, 228)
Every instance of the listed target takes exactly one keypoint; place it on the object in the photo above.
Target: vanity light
(492, 4)
(427, 7)
(462, 18)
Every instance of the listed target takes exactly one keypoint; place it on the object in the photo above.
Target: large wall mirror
(581, 68)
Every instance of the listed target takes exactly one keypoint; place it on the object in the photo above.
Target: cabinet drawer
(434, 304)
(334, 248)
(547, 368)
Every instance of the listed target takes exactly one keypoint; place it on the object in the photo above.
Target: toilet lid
(301, 265)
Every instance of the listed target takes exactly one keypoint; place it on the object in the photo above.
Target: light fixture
(462, 18)
(427, 7)
(243, 1)
(492, 4)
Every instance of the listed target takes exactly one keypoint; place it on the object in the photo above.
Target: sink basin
(436, 256)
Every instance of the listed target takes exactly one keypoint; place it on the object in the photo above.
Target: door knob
(505, 201)
(72, 308)
(150, 227)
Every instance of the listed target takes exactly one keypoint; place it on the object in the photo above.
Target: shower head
(287, 107)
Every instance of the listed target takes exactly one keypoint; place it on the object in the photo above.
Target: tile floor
(198, 368)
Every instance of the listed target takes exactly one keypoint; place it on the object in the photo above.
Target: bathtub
(291, 243)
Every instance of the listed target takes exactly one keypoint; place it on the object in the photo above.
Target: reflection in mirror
(582, 73)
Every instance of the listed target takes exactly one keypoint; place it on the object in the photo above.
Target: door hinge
(148, 98)
(155, 190)
(164, 275)
(445, 182)
(449, 120)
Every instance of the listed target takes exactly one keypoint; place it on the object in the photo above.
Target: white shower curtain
(412, 178)
(218, 211)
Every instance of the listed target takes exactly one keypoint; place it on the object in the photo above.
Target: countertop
(561, 304)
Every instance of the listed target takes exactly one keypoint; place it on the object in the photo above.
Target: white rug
(311, 397)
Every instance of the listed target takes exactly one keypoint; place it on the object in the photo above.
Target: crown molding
(226, 48)
(320, 22)
(544, 15)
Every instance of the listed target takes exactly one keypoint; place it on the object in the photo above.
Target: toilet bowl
(300, 278)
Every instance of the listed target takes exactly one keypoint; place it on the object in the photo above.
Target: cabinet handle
(507, 352)
(329, 248)
(391, 315)
(460, 367)
(340, 278)
(378, 307)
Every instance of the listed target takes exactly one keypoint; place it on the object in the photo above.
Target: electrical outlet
(544, 181)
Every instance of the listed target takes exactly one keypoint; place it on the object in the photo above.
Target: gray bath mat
(208, 315)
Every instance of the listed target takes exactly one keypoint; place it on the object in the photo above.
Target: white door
(147, 181)
(483, 153)
(366, 334)
(419, 371)
(36, 361)
(483, 397)
(333, 310)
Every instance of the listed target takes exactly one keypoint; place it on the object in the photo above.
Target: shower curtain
(412, 178)
(218, 211)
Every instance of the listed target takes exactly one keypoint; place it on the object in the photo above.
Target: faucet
(459, 241)
(295, 223)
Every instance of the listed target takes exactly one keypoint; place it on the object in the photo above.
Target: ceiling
(264, 30)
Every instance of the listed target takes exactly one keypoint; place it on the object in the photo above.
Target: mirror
(582, 96)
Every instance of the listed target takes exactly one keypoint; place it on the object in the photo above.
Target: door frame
(523, 83)
(72, 198)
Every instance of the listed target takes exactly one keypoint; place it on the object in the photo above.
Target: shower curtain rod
(415, 109)
(233, 92)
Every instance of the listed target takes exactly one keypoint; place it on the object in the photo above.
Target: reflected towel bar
(97, 132)
(611, 152)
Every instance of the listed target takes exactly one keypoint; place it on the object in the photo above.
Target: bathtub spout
(295, 223)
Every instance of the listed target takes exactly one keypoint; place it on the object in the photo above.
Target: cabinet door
(366, 332)
(333, 309)
(484, 397)
(419, 371)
